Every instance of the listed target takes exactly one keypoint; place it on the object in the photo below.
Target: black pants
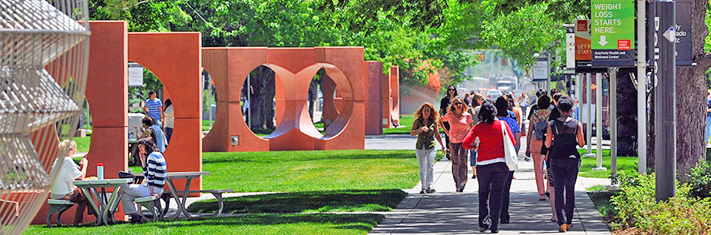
(446, 138)
(492, 179)
(507, 196)
(565, 173)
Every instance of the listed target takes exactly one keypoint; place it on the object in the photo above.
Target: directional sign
(582, 45)
(612, 33)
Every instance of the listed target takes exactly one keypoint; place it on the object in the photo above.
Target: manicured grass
(341, 224)
(82, 144)
(298, 171)
(626, 164)
(601, 199)
(404, 128)
(305, 202)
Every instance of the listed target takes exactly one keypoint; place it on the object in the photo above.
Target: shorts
(472, 157)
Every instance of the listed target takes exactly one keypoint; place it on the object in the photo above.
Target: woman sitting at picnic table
(63, 188)
(154, 169)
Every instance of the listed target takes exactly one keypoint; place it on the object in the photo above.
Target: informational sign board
(683, 32)
(135, 74)
(570, 47)
(613, 34)
(540, 70)
(583, 55)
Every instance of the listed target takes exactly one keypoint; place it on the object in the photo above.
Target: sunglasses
(457, 104)
(450, 89)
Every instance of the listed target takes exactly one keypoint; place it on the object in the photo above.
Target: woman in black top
(563, 134)
(443, 105)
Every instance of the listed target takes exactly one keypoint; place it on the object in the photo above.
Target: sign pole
(665, 102)
(598, 122)
(588, 83)
(613, 125)
(641, 87)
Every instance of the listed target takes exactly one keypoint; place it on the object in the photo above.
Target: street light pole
(641, 87)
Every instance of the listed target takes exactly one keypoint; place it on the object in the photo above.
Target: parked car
(493, 94)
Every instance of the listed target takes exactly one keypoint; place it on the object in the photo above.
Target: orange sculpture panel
(175, 58)
(374, 100)
(294, 69)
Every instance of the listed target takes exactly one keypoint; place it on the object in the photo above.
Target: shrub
(637, 208)
(700, 180)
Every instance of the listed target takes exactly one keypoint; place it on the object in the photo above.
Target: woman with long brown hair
(460, 122)
(426, 130)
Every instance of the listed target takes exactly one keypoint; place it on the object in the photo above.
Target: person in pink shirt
(460, 122)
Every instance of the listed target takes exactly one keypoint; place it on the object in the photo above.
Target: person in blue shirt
(153, 108)
(503, 114)
(154, 173)
(153, 130)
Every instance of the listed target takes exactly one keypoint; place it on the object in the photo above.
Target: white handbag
(509, 150)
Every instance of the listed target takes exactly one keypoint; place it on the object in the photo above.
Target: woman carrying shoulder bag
(491, 165)
(563, 134)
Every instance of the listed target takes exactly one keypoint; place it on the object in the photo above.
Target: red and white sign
(582, 40)
(624, 44)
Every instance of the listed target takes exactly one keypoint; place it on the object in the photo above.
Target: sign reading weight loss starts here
(612, 27)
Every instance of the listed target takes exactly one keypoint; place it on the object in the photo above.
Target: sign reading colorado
(612, 33)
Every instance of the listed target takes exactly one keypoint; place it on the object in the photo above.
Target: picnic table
(189, 176)
(103, 205)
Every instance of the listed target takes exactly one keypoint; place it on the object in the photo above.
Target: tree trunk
(691, 93)
(262, 104)
(626, 114)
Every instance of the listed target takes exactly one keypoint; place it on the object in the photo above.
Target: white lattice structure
(43, 66)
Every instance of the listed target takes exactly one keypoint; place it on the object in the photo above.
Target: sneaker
(474, 176)
(562, 228)
(422, 191)
(431, 190)
(568, 226)
(528, 159)
(135, 218)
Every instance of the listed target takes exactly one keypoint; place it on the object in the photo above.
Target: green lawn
(307, 202)
(601, 198)
(404, 128)
(292, 171)
(341, 224)
(626, 164)
(82, 144)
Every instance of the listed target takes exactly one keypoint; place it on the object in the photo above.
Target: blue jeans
(472, 157)
(168, 134)
(708, 128)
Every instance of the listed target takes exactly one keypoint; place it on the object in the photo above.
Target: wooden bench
(152, 204)
(59, 206)
(218, 195)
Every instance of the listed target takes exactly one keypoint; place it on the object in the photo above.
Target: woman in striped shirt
(154, 169)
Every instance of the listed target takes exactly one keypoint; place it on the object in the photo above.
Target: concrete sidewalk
(449, 212)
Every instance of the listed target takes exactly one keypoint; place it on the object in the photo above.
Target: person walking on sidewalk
(491, 165)
(562, 136)
(443, 106)
(425, 128)
(460, 122)
(503, 114)
(477, 100)
(538, 124)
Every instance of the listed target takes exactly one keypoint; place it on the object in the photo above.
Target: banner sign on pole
(570, 47)
(613, 33)
(683, 33)
(582, 44)
(135, 74)
(540, 70)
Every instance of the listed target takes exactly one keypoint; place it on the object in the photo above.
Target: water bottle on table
(100, 171)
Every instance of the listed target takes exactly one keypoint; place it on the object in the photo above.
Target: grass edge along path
(318, 223)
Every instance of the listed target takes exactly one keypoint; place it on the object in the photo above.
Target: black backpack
(540, 127)
(564, 144)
